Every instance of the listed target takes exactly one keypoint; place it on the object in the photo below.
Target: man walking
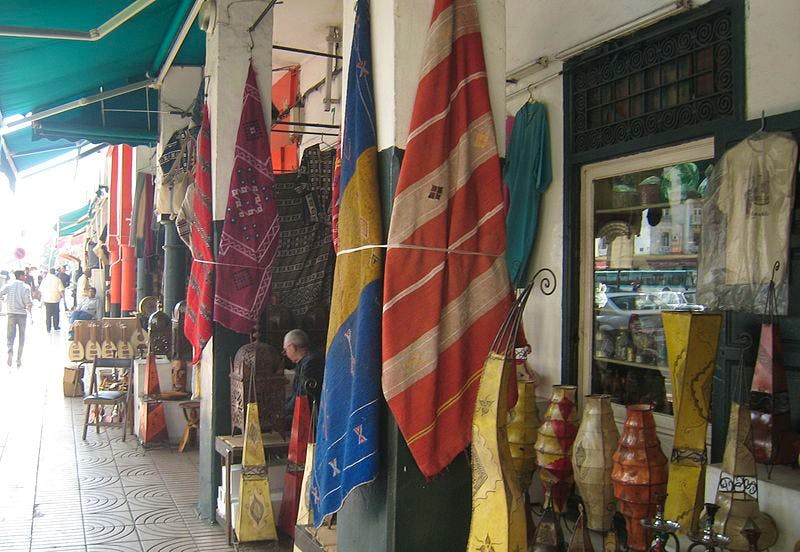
(18, 305)
(52, 290)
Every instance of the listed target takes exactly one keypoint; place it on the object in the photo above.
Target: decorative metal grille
(676, 79)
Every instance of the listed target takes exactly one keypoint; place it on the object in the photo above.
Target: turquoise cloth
(528, 173)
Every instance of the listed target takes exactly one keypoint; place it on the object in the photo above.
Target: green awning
(41, 73)
(74, 222)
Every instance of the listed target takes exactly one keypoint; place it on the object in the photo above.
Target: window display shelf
(663, 369)
(633, 208)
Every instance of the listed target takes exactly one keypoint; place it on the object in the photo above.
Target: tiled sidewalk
(58, 492)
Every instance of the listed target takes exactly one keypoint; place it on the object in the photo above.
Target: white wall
(538, 28)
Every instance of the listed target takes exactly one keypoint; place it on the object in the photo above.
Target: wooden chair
(100, 399)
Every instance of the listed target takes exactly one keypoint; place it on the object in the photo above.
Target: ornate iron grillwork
(673, 80)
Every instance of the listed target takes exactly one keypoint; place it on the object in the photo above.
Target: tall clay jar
(639, 474)
(592, 461)
(554, 445)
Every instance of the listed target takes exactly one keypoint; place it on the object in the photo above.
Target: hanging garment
(527, 174)
(347, 431)
(200, 292)
(335, 185)
(176, 163)
(446, 286)
(250, 232)
(747, 225)
(303, 270)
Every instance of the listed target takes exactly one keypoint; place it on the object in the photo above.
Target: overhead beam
(92, 35)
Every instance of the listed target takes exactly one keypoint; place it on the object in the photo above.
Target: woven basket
(650, 190)
(626, 198)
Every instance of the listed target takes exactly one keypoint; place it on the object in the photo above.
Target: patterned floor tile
(118, 533)
(185, 544)
(139, 470)
(115, 547)
(157, 531)
(108, 519)
(90, 481)
(156, 515)
(15, 544)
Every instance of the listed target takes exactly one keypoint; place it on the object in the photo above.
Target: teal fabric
(528, 173)
(75, 221)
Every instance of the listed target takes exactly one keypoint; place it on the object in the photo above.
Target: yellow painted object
(692, 350)
(498, 512)
(255, 520)
(522, 428)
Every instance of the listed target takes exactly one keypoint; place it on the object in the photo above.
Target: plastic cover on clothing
(746, 225)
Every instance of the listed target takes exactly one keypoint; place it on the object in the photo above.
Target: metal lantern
(258, 365)
(160, 333)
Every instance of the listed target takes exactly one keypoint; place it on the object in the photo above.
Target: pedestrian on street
(52, 291)
(18, 306)
(65, 278)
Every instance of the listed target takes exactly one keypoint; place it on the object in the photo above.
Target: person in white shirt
(52, 291)
(18, 305)
(87, 308)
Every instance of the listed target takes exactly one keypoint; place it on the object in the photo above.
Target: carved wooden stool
(191, 411)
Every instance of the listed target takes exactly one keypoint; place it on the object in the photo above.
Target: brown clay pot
(639, 474)
(592, 460)
(554, 445)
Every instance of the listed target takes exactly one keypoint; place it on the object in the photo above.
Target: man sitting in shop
(308, 371)
(87, 309)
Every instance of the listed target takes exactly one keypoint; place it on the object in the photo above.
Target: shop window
(676, 79)
(636, 264)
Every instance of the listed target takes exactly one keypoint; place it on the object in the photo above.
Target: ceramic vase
(554, 445)
(498, 511)
(737, 490)
(592, 460)
(639, 474)
(774, 440)
(691, 351)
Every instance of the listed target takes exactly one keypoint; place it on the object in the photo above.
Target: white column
(228, 55)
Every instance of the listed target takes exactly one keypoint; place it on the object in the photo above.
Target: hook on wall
(763, 122)
(531, 88)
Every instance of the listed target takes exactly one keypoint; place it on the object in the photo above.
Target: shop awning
(53, 52)
(74, 222)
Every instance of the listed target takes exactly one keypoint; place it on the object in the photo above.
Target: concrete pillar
(174, 281)
(377, 517)
(228, 54)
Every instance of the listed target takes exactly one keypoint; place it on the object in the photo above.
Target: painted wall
(544, 28)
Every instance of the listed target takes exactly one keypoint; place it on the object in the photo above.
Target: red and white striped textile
(446, 287)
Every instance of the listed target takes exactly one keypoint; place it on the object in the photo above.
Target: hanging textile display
(176, 164)
(254, 520)
(446, 287)
(152, 420)
(335, 186)
(527, 174)
(199, 324)
(346, 453)
(302, 273)
(692, 350)
(250, 232)
(746, 225)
